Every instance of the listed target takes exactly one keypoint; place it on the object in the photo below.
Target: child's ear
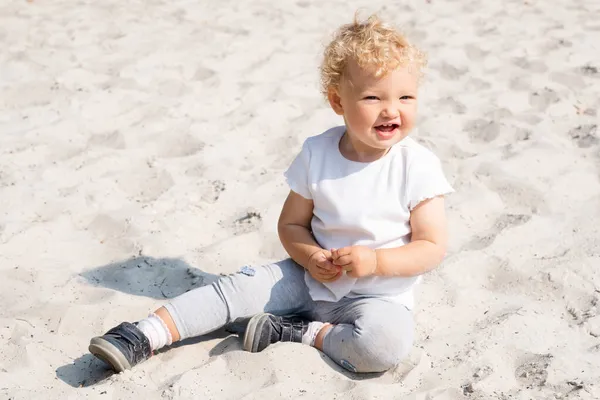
(335, 101)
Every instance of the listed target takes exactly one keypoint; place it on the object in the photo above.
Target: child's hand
(357, 261)
(321, 268)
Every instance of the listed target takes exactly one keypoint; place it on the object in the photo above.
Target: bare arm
(427, 247)
(294, 228)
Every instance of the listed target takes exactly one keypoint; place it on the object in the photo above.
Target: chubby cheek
(358, 117)
(409, 119)
(408, 123)
(366, 116)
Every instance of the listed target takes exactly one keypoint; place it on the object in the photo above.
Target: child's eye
(371, 98)
(406, 98)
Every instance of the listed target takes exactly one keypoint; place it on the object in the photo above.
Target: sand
(142, 149)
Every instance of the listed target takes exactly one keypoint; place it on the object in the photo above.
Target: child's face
(378, 111)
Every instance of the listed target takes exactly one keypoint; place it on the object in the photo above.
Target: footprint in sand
(493, 319)
(450, 105)
(250, 221)
(590, 70)
(504, 279)
(195, 171)
(183, 145)
(505, 221)
(522, 134)
(146, 185)
(112, 140)
(212, 191)
(482, 131)
(500, 113)
(203, 74)
(481, 373)
(529, 119)
(113, 233)
(537, 67)
(541, 99)
(586, 312)
(520, 82)
(517, 195)
(553, 44)
(571, 81)
(6, 179)
(533, 370)
(474, 53)
(451, 72)
(104, 227)
(476, 84)
(585, 136)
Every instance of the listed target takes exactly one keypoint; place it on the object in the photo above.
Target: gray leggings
(370, 334)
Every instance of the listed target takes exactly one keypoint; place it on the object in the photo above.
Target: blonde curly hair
(373, 45)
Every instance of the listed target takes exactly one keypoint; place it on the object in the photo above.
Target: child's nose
(391, 112)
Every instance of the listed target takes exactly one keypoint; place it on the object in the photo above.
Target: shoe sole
(108, 353)
(252, 335)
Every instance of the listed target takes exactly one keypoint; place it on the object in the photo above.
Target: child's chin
(385, 141)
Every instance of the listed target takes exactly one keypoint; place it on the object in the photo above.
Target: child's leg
(368, 335)
(277, 288)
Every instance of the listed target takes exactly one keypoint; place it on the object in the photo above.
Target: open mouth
(387, 127)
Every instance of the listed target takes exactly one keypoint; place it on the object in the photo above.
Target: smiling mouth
(387, 127)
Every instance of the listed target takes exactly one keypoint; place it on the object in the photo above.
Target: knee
(382, 346)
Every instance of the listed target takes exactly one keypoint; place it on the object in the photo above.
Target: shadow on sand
(158, 278)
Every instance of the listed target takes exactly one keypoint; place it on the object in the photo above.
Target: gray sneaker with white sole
(265, 329)
(122, 347)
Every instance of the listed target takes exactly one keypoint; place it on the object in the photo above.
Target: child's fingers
(343, 260)
(321, 276)
(331, 271)
(344, 251)
(329, 277)
(323, 271)
(334, 270)
(322, 261)
(326, 265)
(334, 254)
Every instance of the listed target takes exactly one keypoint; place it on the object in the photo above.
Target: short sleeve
(297, 173)
(425, 179)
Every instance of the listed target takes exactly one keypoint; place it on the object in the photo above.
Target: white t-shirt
(364, 204)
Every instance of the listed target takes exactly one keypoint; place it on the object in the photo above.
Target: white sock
(311, 333)
(156, 331)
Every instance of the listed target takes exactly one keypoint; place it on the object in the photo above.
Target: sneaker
(265, 329)
(122, 347)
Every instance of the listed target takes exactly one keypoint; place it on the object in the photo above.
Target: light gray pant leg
(371, 334)
(276, 288)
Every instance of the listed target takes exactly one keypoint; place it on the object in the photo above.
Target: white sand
(133, 136)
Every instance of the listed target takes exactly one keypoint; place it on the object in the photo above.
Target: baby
(364, 219)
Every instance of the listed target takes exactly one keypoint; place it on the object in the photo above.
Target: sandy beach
(142, 149)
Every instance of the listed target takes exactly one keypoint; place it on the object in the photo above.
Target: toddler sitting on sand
(363, 220)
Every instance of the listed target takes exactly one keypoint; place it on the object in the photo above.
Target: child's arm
(427, 247)
(425, 251)
(296, 237)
